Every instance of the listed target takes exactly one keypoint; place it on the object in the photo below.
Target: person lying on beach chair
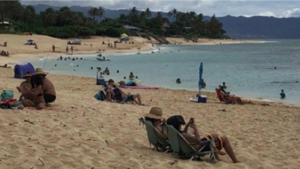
(227, 98)
(114, 93)
(220, 142)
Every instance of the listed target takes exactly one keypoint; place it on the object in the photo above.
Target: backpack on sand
(100, 95)
(7, 95)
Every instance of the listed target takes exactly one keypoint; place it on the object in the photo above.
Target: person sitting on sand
(49, 90)
(101, 76)
(115, 93)
(5, 66)
(220, 142)
(203, 84)
(155, 116)
(131, 76)
(282, 94)
(36, 93)
(25, 85)
(122, 84)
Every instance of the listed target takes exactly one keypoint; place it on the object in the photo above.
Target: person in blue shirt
(282, 94)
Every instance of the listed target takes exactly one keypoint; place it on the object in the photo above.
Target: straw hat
(155, 113)
(39, 71)
(27, 75)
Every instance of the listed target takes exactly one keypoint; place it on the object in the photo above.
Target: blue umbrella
(200, 76)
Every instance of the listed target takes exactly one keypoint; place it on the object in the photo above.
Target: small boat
(103, 59)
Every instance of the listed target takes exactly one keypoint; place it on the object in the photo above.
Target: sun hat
(27, 75)
(155, 113)
(39, 71)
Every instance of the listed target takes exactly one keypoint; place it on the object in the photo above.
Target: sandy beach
(81, 132)
(78, 131)
(17, 49)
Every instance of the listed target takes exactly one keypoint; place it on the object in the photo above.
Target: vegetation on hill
(65, 23)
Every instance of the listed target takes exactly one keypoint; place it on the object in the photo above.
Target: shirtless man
(49, 90)
(110, 93)
(178, 121)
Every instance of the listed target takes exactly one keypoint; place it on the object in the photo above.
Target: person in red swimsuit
(220, 142)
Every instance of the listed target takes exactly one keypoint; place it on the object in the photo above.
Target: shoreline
(147, 48)
(100, 133)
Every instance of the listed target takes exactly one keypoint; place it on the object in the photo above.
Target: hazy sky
(207, 7)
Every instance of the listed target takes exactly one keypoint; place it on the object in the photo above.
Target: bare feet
(48, 105)
(221, 153)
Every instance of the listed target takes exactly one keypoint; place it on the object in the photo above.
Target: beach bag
(100, 96)
(7, 95)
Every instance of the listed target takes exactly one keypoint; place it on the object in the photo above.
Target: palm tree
(148, 13)
(175, 12)
(93, 12)
(133, 11)
(170, 14)
(143, 14)
(100, 12)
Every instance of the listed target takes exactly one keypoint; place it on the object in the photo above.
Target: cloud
(291, 13)
(207, 7)
(268, 13)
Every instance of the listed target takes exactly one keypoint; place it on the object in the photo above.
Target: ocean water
(247, 68)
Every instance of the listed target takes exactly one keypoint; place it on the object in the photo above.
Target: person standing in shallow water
(131, 76)
(282, 94)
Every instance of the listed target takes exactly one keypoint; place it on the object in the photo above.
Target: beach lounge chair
(155, 137)
(222, 99)
(219, 95)
(181, 147)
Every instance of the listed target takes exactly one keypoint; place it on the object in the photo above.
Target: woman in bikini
(36, 93)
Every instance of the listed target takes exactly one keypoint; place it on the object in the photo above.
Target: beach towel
(100, 96)
(7, 95)
(130, 83)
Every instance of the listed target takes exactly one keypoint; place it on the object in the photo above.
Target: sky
(207, 7)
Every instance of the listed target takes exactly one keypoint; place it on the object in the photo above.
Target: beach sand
(81, 132)
(17, 49)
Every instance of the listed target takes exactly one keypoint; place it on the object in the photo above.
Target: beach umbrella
(200, 76)
(124, 34)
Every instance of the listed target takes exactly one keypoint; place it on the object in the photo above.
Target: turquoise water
(247, 68)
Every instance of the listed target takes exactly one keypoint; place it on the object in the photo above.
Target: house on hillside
(132, 29)
(166, 26)
(5, 25)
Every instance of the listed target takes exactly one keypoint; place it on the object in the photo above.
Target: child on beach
(282, 94)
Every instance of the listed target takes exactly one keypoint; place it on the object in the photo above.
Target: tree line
(65, 23)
